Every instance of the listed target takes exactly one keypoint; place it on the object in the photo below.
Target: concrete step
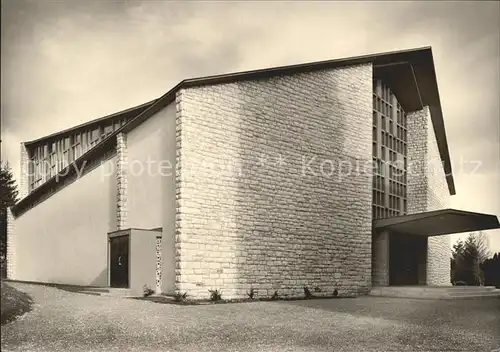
(78, 289)
(475, 293)
(86, 293)
(438, 289)
(103, 291)
(491, 295)
(119, 292)
(436, 292)
(470, 288)
(96, 289)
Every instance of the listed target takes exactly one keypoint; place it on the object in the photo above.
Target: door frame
(119, 233)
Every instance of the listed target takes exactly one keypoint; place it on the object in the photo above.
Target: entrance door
(405, 254)
(119, 249)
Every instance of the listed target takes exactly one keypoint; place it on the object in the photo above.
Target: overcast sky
(65, 63)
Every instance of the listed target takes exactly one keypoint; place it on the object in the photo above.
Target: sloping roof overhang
(410, 73)
(128, 113)
(439, 222)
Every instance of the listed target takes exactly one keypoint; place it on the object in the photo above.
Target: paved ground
(63, 321)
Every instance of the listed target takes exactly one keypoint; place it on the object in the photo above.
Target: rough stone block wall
(121, 181)
(11, 228)
(264, 196)
(427, 190)
(11, 246)
(380, 259)
(158, 265)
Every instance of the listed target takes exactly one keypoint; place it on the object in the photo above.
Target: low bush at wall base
(169, 300)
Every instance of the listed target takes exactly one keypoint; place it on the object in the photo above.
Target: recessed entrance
(399, 243)
(119, 261)
(407, 259)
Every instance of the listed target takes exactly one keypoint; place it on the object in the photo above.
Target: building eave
(420, 61)
(131, 111)
(438, 222)
(413, 79)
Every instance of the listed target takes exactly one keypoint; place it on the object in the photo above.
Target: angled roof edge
(399, 219)
(438, 222)
(91, 122)
(421, 56)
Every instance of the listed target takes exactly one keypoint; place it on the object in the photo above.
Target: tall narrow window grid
(50, 157)
(389, 153)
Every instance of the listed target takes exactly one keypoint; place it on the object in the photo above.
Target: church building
(332, 175)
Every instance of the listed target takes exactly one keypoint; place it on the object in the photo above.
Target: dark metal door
(119, 249)
(403, 260)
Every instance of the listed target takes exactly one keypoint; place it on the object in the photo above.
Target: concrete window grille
(389, 153)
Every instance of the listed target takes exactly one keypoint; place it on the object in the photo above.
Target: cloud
(64, 63)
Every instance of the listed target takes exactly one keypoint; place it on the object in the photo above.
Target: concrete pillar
(422, 262)
(11, 245)
(121, 181)
(158, 265)
(438, 262)
(380, 259)
(24, 177)
(170, 247)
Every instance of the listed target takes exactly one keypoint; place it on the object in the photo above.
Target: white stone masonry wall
(427, 190)
(249, 214)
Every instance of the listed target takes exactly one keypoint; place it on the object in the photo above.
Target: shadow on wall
(101, 280)
(290, 234)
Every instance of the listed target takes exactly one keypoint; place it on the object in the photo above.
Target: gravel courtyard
(62, 320)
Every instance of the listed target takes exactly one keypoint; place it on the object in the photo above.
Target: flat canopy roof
(439, 222)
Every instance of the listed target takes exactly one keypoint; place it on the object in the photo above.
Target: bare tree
(467, 256)
(477, 246)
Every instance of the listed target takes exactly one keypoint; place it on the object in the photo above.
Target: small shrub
(335, 293)
(307, 293)
(275, 296)
(179, 297)
(147, 291)
(215, 295)
(251, 294)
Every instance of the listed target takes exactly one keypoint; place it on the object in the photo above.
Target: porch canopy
(439, 222)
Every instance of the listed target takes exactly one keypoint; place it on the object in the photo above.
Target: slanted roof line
(89, 123)
(448, 221)
(391, 64)
(416, 85)
(422, 57)
(413, 73)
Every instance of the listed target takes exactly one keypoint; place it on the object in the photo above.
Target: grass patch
(14, 303)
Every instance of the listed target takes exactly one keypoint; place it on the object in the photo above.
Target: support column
(11, 246)
(422, 262)
(158, 265)
(428, 191)
(24, 177)
(121, 181)
(438, 262)
(380, 259)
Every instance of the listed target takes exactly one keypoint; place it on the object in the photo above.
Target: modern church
(332, 175)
